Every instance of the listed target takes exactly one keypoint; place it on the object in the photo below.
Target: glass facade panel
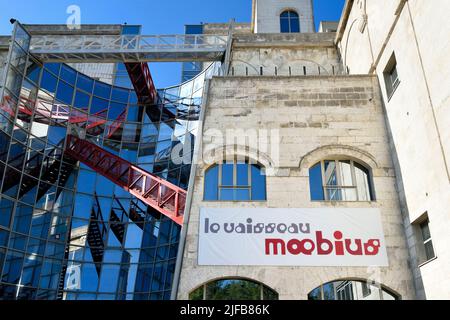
(49, 82)
(68, 74)
(64, 93)
(85, 231)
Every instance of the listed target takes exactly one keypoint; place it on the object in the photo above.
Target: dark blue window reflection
(56, 134)
(289, 22)
(64, 93)
(34, 72)
(102, 90)
(48, 82)
(6, 207)
(85, 83)
(53, 67)
(22, 219)
(116, 111)
(235, 181)
(81, 101)
(258, 183)
(99, 107)
(4, 236)
(68, 74)
(120, 95)
(315, 182)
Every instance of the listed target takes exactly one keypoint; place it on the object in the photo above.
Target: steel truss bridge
(126, 48)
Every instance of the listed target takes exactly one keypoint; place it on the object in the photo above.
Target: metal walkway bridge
(125, 48)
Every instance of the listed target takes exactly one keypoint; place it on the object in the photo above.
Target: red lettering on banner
(338, 246)
(275, 243)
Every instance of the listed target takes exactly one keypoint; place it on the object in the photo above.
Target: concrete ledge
(285, 40)
(61, 29)
(4, 42)
(316, 77)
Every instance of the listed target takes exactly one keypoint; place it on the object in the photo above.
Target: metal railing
(163, 196)
(134, 48)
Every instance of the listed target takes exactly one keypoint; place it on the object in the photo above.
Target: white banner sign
(291, 237)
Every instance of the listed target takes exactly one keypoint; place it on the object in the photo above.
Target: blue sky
(156, 17)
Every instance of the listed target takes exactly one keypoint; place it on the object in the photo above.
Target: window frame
(289, 19)
(391, 83)
(235, 186)
(339, 186)
(422, 225)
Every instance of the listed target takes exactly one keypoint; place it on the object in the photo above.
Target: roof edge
(344, 20)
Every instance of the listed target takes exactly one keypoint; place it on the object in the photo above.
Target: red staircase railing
(163, 196)
(142, 82)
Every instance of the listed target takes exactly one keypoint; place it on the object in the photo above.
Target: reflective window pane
(6, 208)
(64, 93)
(85, 83)
(68, 74)
(102, 90)
(212, 183)
(362, 182)
(242, 174)
(330, 173)
(258, 183)
(48, 81)
(53, 68)
(227, 174)
(315, 182)
(226, 194)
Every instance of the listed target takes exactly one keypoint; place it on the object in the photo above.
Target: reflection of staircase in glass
(52, 168)
(161, 195)
(96, 236)
(142, 82)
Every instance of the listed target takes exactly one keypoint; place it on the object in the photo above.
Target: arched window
(235, 181)
(351, 290)
(340, 180)
(289, 22)
(233, 289)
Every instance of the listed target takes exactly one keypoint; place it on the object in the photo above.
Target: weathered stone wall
(285, 54)
(223, 28)
(317, 117)
(418, 113)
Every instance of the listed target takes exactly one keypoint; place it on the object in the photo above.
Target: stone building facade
(328, 96)
(318, 117)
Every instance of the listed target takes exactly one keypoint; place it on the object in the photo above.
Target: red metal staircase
(142, 81)
(165, 197)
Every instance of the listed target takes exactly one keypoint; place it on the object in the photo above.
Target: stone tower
(267, 15)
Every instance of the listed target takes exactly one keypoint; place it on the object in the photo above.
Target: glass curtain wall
(67, 232)
(191, 69)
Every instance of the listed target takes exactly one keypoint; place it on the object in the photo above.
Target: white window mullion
(354, 182)
(324, 182)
